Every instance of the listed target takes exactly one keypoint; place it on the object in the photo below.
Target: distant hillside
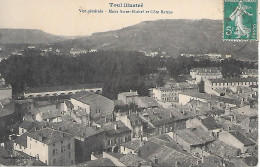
(28, 36)
(173, 36)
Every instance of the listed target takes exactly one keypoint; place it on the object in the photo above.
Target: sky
(62, 17)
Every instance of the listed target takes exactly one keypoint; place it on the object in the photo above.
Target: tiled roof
(6, 108)
(118, 103)
(209, 97)
(97, 162)
(27, 125)
(239, 136)
(89, 98)
(63, 88)
(148, 148)
(22, 140)
(167, 157)
(129, 94)
(131, 160)
(110, 128)
(133, 145)
(246, 110)
(75, 129)
(195, 136)
(178, 86)
(148, 102)
(69, 104)
(229, 80)
(222, 149)
(51, 114)
(210, 123)
(49, 136)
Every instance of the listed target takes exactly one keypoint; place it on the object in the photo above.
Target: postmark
(240, 20)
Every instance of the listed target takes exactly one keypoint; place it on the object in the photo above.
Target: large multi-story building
(127, 97)
(203, 74)
(93, 104)
(170, 93)
(245, 73)
(231, 83)
(52, 147)
(61, 90)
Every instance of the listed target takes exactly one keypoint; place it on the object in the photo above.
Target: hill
(172, 36)
(27, 36)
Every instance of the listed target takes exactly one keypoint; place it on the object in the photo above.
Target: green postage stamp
(240, 20)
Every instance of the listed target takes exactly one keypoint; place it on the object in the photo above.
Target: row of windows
(233, 83)
(119, 140)
(62, 149)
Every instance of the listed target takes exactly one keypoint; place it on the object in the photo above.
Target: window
(71, 162)
(53, 145)
(54, 162)
(69, 155)
(61, 141)
(62, 149)
(22, 130)
(53, 152)
(69, 146)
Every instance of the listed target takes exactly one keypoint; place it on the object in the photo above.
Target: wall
(103, 106)
(229, 139)
(78, 104)
(113, 159)
(38, 148)
(67, 157)
(5, 93)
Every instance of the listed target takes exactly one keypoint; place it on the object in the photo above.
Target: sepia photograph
(138, 83)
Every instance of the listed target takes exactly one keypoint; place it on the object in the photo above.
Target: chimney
(115, 127)
(151, 163)
(155, 160)
(177, 163)
(139, 164)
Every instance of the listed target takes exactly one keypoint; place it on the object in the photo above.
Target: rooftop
(229, 80)
(147, 102)
(132, 160)
(178, 86)
(167, 157)
(22, 140)
(51, 114)
(49, 136)
(64, 88)
(6, 107)
(28, 125)
(110, 128)
(129, 94)
(222, 149)
(97, 162)
(210, 123)
(195, 136)
(239, 136)
(88, 97)
(212, 98)
(75, 129)
(134, 144)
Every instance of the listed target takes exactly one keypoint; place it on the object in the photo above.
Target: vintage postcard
(129, 83)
